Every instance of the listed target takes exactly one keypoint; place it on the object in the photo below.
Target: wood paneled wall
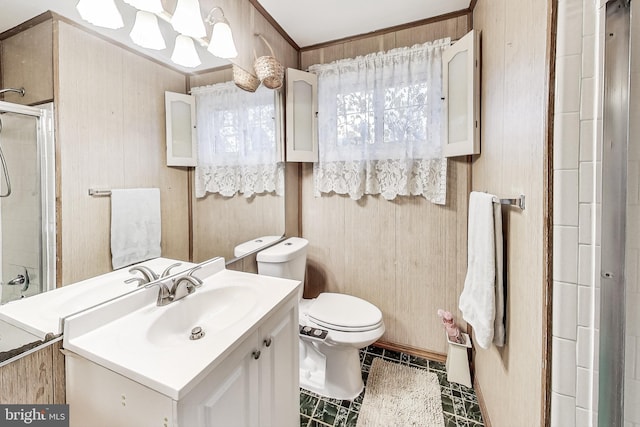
(514, 128)
(407, 256)
(26, 60)
(219, 223)
(37, 378)
(111, 134)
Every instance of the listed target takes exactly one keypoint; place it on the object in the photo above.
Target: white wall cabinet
(302, 116)
(182, 146)
(256, 385)
(461, 95)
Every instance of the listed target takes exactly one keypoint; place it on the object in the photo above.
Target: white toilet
(329, 365)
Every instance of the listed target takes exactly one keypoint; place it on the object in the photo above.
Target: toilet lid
(344, 313)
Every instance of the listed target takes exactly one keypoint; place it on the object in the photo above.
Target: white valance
(237, 151)
(380, 123)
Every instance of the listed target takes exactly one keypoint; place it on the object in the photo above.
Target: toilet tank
(253, 245)
(287, 259)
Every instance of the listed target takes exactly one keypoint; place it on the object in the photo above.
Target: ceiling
(306, 22)
(313, 22)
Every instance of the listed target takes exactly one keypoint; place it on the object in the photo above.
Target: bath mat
(399, 395)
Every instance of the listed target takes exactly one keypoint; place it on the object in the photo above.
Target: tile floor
(459, 403)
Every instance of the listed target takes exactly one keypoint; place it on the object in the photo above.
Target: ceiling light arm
(221, 43)
(211, 19)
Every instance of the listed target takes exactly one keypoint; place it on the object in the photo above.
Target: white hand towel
(135, 226)
(478, 298)
(498, 324)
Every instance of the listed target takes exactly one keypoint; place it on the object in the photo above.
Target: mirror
(120, 109)
(239, 187)
(31, 322)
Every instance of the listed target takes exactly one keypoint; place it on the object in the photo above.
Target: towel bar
(519, 202)
(99, 193)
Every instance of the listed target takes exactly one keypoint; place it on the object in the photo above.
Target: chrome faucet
(21, 279)
(149, 275)
(183, 286)
(180, 288)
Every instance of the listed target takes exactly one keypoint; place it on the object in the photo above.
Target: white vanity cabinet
(256, 384)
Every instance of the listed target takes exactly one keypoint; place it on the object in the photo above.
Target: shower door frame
(45, 141)
(614, 207)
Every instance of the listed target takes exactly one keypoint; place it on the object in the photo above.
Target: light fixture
(153, 6)
(221, 44)
(187, 19)
(184, 52)
(146, 32)
(102, 13)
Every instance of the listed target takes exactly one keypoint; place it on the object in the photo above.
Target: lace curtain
(380, 124)
(236, 142)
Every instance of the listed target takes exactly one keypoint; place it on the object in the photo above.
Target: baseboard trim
(431, 355)
(483, 407)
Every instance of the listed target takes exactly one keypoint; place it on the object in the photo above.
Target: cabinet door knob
(256, 354)
(267, 342)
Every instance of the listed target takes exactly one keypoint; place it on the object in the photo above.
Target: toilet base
(342, 376)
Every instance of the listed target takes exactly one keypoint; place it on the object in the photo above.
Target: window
(380, 122)
(237, 144)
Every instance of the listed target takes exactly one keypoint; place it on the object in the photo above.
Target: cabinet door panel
(99, 397)
(228, 397)
(301, 114)
(461, 95)
(182, 146)
(279, 374)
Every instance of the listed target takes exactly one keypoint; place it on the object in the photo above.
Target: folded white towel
(135, 226)
(478, 298)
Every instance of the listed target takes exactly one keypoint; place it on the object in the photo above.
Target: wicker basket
(268, 69)
(244, 79)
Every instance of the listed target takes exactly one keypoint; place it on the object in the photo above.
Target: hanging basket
(244, 79)
(268, 69)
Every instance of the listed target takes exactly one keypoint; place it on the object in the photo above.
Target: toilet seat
(344, 313)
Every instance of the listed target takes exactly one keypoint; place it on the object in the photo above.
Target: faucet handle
(164, 295)
(167, 270)
(196, 281)
(141, 281)
(148, 273)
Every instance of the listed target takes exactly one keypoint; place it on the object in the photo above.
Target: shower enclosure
(619, 348)
(27, 201)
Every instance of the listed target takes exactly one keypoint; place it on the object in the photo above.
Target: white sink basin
(151, 344)
(212, 310)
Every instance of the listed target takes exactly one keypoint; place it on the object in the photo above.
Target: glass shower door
(20, 209)
(27, 201)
